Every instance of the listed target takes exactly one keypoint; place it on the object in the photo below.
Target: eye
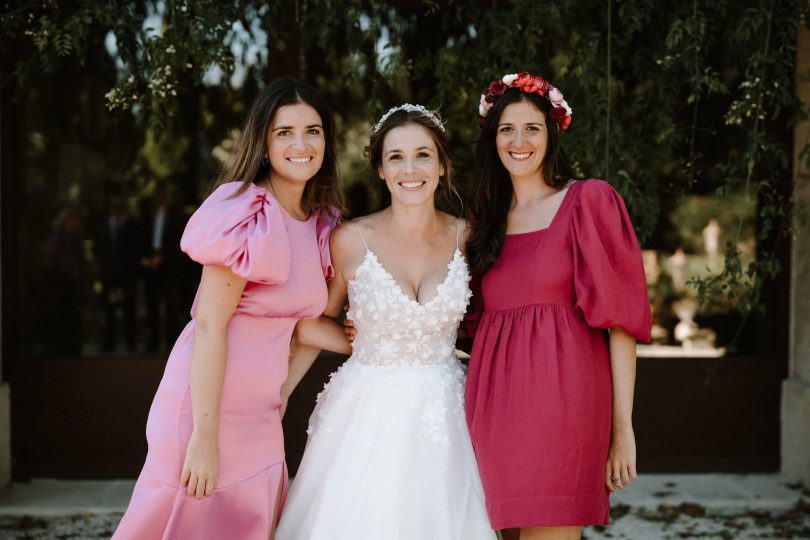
(505, 129)
(284, 133)
(393, 157)
(314, 131)
(423, 155)
(533, 129)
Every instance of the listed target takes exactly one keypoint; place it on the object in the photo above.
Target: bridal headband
(407, 107)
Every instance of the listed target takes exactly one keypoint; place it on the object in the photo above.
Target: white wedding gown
(389, 455)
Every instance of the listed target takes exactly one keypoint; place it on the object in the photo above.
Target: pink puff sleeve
(244, 232)
(324, 226)
(609, 281)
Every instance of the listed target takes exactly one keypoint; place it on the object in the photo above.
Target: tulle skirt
(388, 456)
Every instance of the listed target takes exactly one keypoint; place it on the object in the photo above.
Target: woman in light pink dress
(215, 467)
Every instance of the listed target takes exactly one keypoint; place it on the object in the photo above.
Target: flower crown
(407, 107)
(528, 83)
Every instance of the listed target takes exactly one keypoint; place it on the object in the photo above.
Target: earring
(265, 161)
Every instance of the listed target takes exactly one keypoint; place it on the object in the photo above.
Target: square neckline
(559, 211)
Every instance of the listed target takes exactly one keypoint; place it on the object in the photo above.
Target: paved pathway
(706, 506)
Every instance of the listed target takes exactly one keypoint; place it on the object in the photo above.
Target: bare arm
(220, 290)
(621, 462)
(323, 333)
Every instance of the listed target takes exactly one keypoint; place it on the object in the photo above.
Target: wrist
(622, 425)
(204, 433)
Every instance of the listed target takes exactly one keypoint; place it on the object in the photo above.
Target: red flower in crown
(561, 115)
(495, 90)
(531, 83)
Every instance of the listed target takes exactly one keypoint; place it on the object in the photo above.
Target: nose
(298, 142)
(409, 164)
(519, 137)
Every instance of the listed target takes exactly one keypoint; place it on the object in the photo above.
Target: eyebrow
(420, 148)
(293, 127)
(526, 124)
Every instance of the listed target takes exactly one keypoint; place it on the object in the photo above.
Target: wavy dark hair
(246, 166)
(493, 194)
(402, 118)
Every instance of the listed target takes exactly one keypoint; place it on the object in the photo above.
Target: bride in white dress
(388, 455)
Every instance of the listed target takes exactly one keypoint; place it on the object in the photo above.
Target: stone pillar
(796, 388)
(5, 399)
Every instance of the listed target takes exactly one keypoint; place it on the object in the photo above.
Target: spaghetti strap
(458, 222)
(361, 233)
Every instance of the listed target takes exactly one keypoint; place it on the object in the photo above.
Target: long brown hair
(493, 194)
(401, 118)
(245, 165)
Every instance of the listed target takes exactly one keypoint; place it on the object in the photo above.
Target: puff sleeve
(609, 281)
(327, 220)
(243, 232)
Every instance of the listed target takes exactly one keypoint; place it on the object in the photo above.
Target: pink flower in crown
(484, 105)
(555, 97)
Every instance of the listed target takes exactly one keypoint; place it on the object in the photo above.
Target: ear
(380, 172)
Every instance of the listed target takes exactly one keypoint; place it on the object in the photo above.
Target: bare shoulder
(456, 227)
(346, 241)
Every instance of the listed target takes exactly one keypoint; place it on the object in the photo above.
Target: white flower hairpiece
(407, 107)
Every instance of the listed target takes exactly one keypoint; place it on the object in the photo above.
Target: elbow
(301, 333)
(209, 326)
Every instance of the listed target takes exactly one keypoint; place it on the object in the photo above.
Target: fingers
(619, 475)
(184, 476)
(349, 329)
(200, 486)
(192, 485)
(200, 491)
(608, 480)
(624, 474)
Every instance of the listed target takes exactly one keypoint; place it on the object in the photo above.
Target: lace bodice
(394, 329)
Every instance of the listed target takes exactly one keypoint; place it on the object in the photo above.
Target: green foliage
(669, 97)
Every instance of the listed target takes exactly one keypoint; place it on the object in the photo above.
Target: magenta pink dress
(539, 388)
(286, 263)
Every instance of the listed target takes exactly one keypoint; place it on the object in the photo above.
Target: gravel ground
(79, 526)
(688, 520)
(658, 507)
(666, 522)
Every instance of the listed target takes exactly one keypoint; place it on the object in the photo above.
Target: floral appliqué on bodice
(394, 329)
(403, 352)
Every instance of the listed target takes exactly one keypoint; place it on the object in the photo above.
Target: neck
(413, 221)
(527, 189)
(290, 195)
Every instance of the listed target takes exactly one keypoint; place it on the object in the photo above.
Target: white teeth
(411, 185)
(300, 160)
(520, 156)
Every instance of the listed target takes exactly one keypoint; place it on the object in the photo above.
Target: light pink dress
(286, 263)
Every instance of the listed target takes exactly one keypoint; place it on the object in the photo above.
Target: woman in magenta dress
(561, 301)
(215, 467)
